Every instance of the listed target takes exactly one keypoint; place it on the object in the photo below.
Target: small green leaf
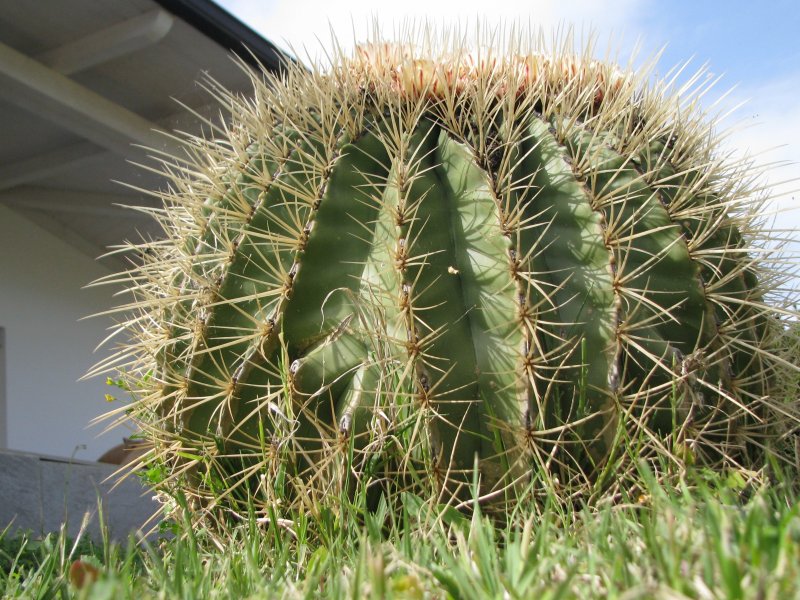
(189, 455)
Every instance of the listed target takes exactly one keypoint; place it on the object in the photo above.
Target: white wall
(47, 348)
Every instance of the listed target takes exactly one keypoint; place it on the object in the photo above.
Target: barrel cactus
(486, 272)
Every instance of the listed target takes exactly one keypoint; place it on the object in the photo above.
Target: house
(83, 86)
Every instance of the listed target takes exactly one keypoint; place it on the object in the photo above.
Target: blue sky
(747, 41)
(754, 46)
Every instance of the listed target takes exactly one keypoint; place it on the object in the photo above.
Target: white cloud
(308, 23)
(767, 128)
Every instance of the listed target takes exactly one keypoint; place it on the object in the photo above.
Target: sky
(753, 46)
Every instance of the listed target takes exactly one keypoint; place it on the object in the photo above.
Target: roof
(84, 85)
(228, 31)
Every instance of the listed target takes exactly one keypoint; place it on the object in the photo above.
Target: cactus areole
(452, 268)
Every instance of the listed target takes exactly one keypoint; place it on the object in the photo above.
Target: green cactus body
(437, 265)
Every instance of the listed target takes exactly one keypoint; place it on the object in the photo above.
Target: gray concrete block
(41, 493)
(20, 492)
(128, 506)
(69, 490)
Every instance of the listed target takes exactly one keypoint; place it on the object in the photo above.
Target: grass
(710, 536)
(692, 534)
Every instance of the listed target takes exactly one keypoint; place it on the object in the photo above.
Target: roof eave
(229, 32)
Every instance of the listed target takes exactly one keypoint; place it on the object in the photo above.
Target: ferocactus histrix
(431, 266)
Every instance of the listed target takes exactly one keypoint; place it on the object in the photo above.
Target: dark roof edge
(229, 32)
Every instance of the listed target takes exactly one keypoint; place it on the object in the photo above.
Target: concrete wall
(39, 493)
(3, 432)
(47, 348)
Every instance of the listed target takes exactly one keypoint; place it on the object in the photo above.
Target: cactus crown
(417, 267)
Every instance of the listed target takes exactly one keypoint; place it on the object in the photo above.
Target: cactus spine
(416, 264)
